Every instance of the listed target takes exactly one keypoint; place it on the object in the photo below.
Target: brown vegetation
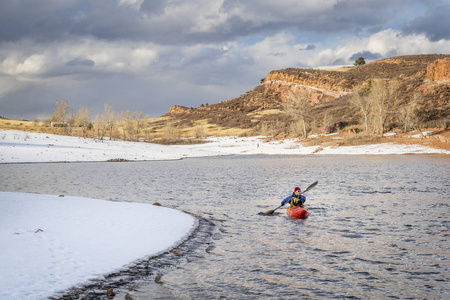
(406, 79)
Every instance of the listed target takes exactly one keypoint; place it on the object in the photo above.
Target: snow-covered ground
(50, 243)
(19, 147)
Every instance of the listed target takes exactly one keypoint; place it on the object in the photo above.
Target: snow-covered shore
(21, 147)
(50, 243)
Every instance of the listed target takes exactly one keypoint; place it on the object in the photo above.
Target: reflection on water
(378, 225)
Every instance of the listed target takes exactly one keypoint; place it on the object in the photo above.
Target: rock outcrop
(325, 80)
(439, 70)
(178, 109)
(316, 94)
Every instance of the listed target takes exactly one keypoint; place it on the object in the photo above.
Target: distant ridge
(329, 94)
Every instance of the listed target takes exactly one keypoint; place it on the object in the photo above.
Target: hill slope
(329, 94)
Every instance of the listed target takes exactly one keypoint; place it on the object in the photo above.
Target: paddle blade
(269, 212)
(311, 186)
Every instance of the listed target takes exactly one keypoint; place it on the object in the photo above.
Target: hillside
(262, 110)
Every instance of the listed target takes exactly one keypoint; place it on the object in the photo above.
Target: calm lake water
(378, 225)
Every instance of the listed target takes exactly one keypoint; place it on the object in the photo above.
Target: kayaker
(296, 199)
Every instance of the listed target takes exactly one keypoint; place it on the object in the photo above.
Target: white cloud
(392, 42)
(51, 60)
(282, 50)
(23, 66)
(130, 2)
(263, 11)
(278, 51)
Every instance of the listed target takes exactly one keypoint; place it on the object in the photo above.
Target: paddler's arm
(287, 199)
(303, 199)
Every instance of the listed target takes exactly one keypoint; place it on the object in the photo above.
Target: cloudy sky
(147, 55)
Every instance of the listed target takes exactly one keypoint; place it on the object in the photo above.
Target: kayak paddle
(273, 210)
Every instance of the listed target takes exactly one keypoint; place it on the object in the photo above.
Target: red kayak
(297, 212)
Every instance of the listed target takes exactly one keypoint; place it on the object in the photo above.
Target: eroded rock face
(316, 79)
(439, 70)
(178, 109)
(314, 94)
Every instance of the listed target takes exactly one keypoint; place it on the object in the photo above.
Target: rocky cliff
(439, 70)
(325, 80)
(178, 109)
(318, 85)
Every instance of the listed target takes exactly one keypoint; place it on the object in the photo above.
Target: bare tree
(61, 111)
(375, 101)
(297, 105)
(139, 117)
(110, 119)
(128, 125)
(381, 95)
(417, 118)
(83, 119)
(405, 115)
(363, 101)
(326, 123)
(171, 132)
(62, 114)
(101, 127)
(133, 123)
(200, 131)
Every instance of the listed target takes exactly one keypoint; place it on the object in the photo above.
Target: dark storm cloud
(104, 19)
(310, 47)
(367, 55)
(435, 23)
(153, 7)
(80, 62)
(346, 15)
(55, 20)
(21, 19)
(46, 20)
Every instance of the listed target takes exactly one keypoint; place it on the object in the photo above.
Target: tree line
(376, 101)
(106, 124)
(124, 125)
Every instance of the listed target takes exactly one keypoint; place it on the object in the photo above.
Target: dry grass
(20, 125)
(151, 130)
(358, 140)
(261, 113)
(341, 69)
(180, 141)
(439, 140)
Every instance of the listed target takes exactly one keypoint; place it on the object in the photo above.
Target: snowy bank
(20, 147)
(50, 243)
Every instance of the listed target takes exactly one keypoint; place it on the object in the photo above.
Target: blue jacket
(289, 198)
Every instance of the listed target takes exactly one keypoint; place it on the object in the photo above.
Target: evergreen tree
(359, 61)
